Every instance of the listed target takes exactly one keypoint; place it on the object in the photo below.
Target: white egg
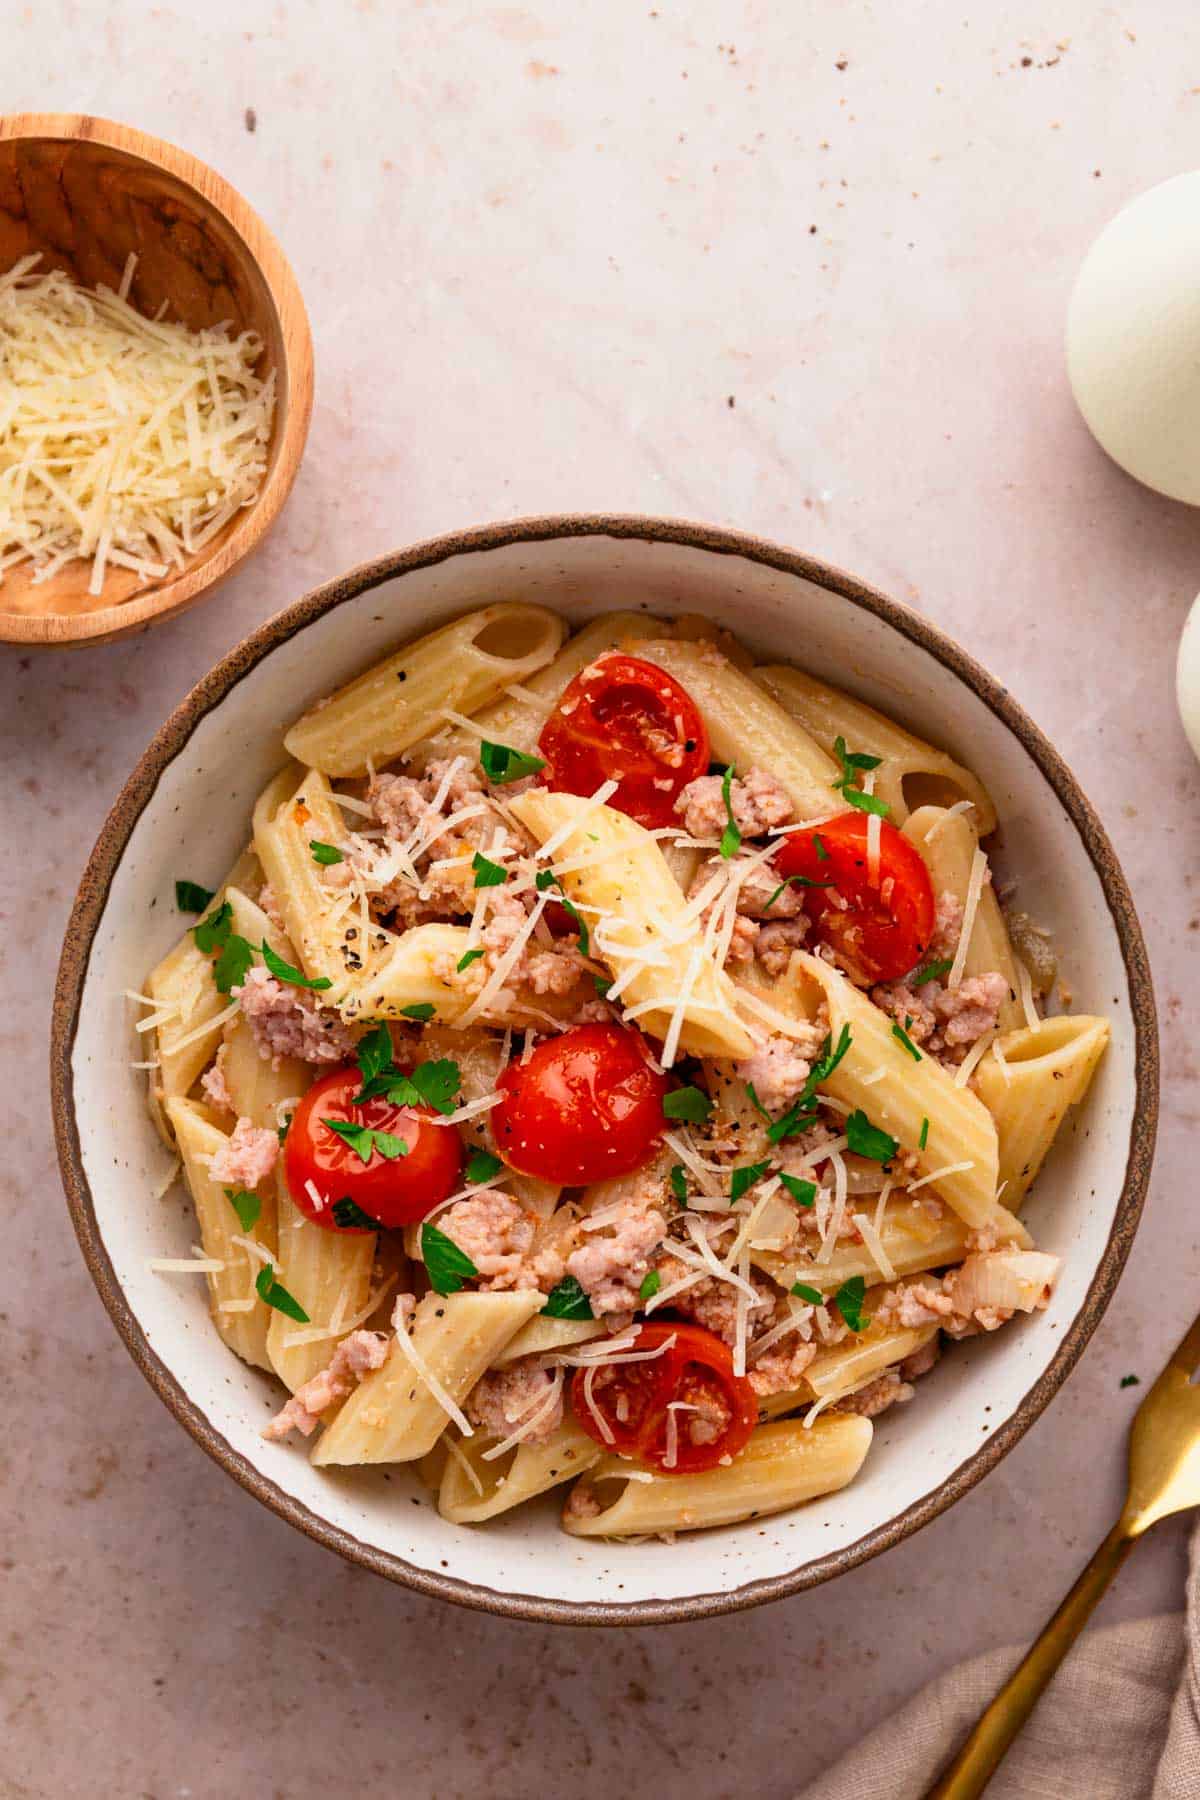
(1133, 338)
(1187, 677)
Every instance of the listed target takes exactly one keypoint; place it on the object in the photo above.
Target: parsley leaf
(546, 878)
(679, 1186)
(1131, 1381)
(795, 881)
(373, 1054)
(501, 763)
(247, 1206)
(363, 1139)
(567, 1301)
(931, 972)
(283, 971)
(487, 874)
(901, 1036)
(745, 1177)
(798, 1117)
(756, 1103)
(802, 1192)
(731, 837)
(190, 897)
(276, 1295)
(422, 1011)
(325, 854)
(924, 1137)
(483, 1166)
(852, 761)
(211, 933)
(849, 1300)
(350, 1217)
(467, 958)
(813, 1295)
(687, 1103)
(819, 847)
(868, 1140)
(802, 1113)
(868, 803)
(651, 1282)
(233, 964)
(447, 1266)
(433, 1084)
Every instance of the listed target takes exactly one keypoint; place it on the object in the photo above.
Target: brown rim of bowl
(174, 593)
(89, 908)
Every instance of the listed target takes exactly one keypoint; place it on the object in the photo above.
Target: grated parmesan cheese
(124, 440)
(975, 881)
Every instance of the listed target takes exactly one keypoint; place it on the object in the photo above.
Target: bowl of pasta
(590, 1113)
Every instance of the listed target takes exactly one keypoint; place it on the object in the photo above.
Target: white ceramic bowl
(185, 812)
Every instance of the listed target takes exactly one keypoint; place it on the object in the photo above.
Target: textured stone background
(800, 269)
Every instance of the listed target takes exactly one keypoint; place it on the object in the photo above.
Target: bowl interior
(193, 824)
(86, 205)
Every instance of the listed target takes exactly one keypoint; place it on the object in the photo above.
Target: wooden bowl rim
(295, 376)
(91, 900)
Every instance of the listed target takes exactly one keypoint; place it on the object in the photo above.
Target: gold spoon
(1164, 1478)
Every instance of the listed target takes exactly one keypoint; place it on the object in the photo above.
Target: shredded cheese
(975, 881)
(958, 1168)
(1025, 990)
(874, 1244)
(184, 1265)
(973, 1058)
(529, 1420)
(951, 812)
(124, 440)
(422, 1369)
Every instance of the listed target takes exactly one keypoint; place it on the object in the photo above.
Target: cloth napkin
(1120, 1721)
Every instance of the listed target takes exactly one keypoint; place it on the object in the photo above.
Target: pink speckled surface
(797, 269)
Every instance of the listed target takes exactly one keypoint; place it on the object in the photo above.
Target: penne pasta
(396, 1415)
(911, 772)
(639, 925)
(257, 1089)
(328, 1273)
(913, 1241)
(245, 1331)
(948, 842)
(783, 1465)
(404, 698)
(473, 1490)
(1039, 1074)
(845, 1368)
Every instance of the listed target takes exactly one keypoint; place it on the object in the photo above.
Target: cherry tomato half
(391, 1190)
(632, 1398)
(626, 720)
(878, 929)
(585, 1106)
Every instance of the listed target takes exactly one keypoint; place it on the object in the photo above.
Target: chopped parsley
(849, 1300)
(483, 1166)
(467, 958)
(233, 965)
(900, 1033)
(348, 1216)
(363, 1139)
(678, 1181)
(545, 879)
(422, 1011)
(847, 783)
(868, 1140)
(803, 1113)
(924, 1137)
(802, 1192)
(688, 1103)
(567, 1301)
(602, 985)
(281, 1131)
(276, 1295)
(283, 971)
(447, 1266)
(433, 1084)
(501, 763)
(745, 1177)
(247, 1206)
(373, 1053)
(211, 933)
(651, 1282)
(731, 837)
(813, 1295)
(819, 847)
(795, 881)
(190, 897)
(931, 972)
(797, 1119)
(487, 874)
(325, 854)
(1131, 1381)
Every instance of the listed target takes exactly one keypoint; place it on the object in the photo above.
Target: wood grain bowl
(87, 192)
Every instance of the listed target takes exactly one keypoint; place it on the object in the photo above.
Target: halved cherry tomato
(586, 1105)
(695, 1372)
(624, 719)
(878, 929)
(391, 1190)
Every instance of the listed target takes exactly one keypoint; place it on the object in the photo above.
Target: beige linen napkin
(1120, 1721)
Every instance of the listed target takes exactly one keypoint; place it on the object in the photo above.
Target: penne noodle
(913, 1242)
(1044, 1072)
(520, 1475)
(323, 1271)
(403, 699)
(911, 772)
(783, 1465)
(845, 1368)
(948, 843)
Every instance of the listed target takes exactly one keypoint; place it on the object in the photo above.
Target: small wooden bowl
(86, 192)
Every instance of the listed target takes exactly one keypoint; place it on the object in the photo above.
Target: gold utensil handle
(977, 1761)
